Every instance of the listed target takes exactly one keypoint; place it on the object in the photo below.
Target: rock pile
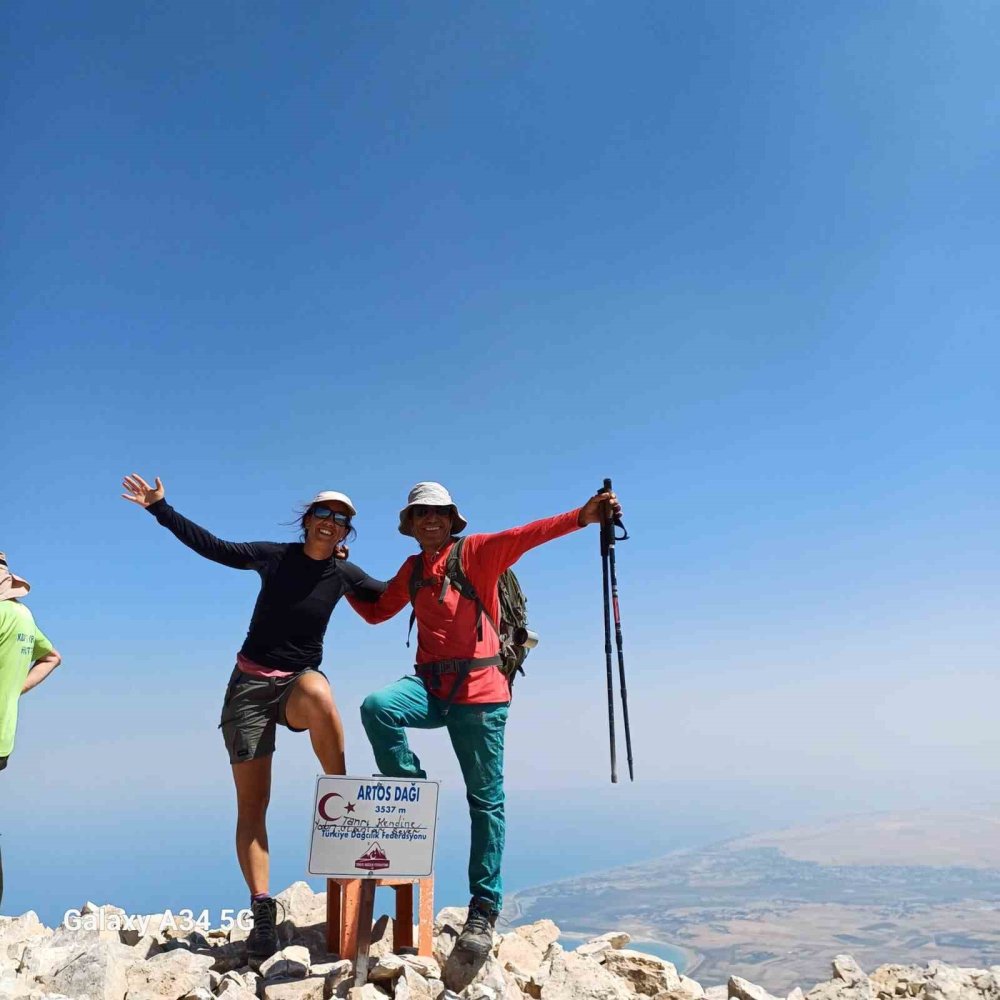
(111, 959)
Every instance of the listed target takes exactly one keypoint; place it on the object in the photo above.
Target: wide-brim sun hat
(431, 495)
(11, 585)
(330, 496)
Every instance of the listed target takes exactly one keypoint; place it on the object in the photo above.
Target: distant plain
(775, 908)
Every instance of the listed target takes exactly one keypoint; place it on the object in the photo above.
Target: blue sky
(740, 257)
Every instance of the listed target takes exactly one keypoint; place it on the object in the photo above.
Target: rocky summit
(107, 955)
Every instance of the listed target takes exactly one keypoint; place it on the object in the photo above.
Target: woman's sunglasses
(344, 520)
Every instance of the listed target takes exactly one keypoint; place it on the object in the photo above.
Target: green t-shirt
(21, 643)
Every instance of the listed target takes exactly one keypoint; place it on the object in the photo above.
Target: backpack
(513, 611)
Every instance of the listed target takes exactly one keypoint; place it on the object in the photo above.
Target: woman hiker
(276, 680)
(457, 682)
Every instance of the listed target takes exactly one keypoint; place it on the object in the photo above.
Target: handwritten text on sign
(373, 827)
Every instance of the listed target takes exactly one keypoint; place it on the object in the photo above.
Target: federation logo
(373, 860)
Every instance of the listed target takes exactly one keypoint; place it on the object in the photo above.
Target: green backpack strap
(417, 581)
(455, 576)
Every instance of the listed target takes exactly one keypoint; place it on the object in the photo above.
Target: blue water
(161, 849)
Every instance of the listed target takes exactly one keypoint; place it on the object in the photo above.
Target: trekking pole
(606, 533)
(612, 538)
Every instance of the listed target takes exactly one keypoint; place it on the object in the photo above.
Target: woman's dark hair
(300, 520)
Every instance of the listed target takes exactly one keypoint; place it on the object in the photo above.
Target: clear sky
(741, 257)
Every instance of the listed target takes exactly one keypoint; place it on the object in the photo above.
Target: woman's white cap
(328, 496)
(430, 495)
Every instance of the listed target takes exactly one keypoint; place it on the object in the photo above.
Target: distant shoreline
(692, 958)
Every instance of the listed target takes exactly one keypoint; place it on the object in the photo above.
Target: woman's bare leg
(253, 792)
(311, 706)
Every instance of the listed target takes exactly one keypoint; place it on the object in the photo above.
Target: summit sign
(363, 827)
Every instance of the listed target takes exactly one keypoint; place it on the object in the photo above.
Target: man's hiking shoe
(263, 940)
(477, 934)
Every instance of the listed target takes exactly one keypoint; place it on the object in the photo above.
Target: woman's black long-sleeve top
(297, 595)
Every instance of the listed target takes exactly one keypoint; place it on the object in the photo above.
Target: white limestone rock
(367, 992)
(239, 932)
(144, 947)
(846, 969)
(339, 979)
(99, 971)
(743, 989)
(386, 969)
(949, 982)
(292, 962)
(199, 993)
(614, 939)
(157, 928)
(301, 916)
(568, 976)
(229, 956)
(596, 949)
(541, 933)
(451, 918)
(168, 974)
(14, 953)
(412, 985)
(381, 938)
(337, 975)
(521, 950)
(310, 988)
(301, 905)
(688, 990)
(849, 982)
(230, 989)
(41, 959)
(251, 980)
(988, 983)
(647, 973)
(112, 923)
(423, 965)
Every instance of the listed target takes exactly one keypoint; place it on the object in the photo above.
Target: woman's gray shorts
(251, 711)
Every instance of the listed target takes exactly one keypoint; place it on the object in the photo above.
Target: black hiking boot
(263, 939)
(477, 934)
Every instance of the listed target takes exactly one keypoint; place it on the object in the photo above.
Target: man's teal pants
(476, 733)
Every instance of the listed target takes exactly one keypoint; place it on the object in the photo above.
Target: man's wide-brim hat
(10, 584)
(430, 495)
(329, 496)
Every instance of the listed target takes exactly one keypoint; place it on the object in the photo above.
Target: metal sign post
(375, 830)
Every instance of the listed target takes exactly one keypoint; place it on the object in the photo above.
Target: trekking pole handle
(614, 519)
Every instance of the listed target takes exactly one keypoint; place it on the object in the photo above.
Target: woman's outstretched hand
(140, 492)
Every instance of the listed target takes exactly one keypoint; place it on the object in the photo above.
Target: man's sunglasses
(344, 520)
(425, 510)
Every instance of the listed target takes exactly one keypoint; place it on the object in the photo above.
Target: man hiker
(457, 682)
(26, 659)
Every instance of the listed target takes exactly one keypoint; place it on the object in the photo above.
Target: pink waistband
(256, 670)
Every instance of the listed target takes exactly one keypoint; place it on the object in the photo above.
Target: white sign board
(373, 827)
